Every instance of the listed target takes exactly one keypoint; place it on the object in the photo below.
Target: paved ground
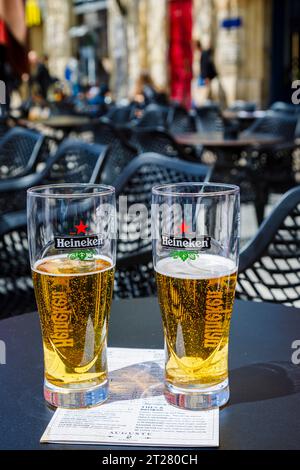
(248, 219)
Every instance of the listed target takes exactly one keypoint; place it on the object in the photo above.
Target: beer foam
(205, 266)
(57, 261)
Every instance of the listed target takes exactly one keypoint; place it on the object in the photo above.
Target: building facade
(242, 33)
(256, 44)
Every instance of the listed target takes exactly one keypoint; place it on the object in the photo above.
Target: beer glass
(195, 231)
(71, 232)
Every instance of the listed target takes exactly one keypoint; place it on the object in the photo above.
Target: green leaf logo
(184, 255)
(82, 255)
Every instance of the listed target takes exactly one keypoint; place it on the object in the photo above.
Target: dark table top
(264, 409)
(216, 139)
(62, 121)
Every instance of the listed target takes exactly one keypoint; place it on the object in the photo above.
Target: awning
(12, 12)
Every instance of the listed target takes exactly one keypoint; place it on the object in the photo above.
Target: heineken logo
(187, 243)
(184, 244)
(80, 240)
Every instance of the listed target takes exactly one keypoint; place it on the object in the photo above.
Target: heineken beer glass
(71, 231)
(195, 252)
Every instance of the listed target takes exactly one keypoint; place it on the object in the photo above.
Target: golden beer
(196, 299)
(74, 299)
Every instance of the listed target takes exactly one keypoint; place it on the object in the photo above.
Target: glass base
(79, 397)
(197, 397)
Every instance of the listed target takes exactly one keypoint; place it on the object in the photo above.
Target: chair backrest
(270, 263)
(209, 119)
(19, 152)
(180, 120)
(154, 116)
(120, 151)
(16, 292)
(120, 114)
(277, 124)
(104, 131)
(75, 162)
(136, 182)
(157, 141)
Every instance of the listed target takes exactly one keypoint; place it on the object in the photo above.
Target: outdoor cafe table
(264, 409)
(217, 140)
(64, 123)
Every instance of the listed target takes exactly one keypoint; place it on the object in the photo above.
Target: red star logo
(81, 228)
(184, 228)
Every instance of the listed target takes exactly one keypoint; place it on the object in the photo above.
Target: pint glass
(71, 232)
(195, 230)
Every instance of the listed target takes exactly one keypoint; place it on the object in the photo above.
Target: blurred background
(86, 43)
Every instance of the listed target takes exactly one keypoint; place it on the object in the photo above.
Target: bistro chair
(270, 264)
(134, 275)
(272, 166)
(154, 116)
(120, 151)
(20, 151)
(276, 124)
(74, 162)
(159, 140)
(208, 118)
(16, 290)
(179, 120)
(120, 115)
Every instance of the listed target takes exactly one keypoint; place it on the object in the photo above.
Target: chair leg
(261, 201)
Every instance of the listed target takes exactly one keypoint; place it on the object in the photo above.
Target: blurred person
(40, 76)
(145, 91)
(207, 71)
(72, 75)
(208, 76)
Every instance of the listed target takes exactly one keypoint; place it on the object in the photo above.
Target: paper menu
(136, 412)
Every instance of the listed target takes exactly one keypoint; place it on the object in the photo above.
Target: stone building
(255, 43)
(137, 42)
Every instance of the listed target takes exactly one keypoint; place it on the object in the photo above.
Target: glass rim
(102, 190)
(224, 189)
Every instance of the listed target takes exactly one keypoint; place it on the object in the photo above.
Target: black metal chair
(74, 162)
(154, 116)
(179, 120)
(16, 290)
(270, 264)
(272, 166)
(20, 151)
(276, 124)
(120, 151)
(120, 115)
(134, 275)
(208, 118)
(158, 140)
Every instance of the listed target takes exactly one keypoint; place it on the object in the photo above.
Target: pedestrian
(40, 76)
